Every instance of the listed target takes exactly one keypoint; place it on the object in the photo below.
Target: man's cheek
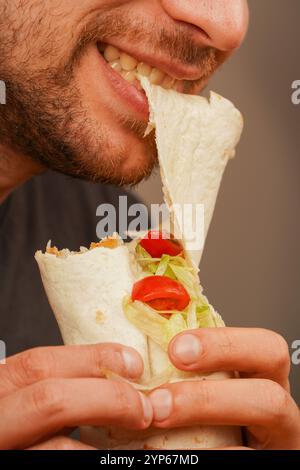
(36, 34)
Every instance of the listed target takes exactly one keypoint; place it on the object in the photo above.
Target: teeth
(128, 67)
(111, 53)
(144, 69)
(156, 77)
(116, 66)
(127, 62)
(129, 76)
(168, 82)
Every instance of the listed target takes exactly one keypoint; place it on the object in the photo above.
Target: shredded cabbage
(146, 261)
(160, 329)
(191, 317)
(187, 279)
(163, 265)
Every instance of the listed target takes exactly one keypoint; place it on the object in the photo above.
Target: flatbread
(195, 138)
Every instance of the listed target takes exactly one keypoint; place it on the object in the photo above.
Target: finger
(48, 406)
(68, 362)
(256, 353)
(63, 432)
(61, 443)
(240, 402)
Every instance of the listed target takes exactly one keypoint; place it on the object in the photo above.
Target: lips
(129, 68)
(123, 71)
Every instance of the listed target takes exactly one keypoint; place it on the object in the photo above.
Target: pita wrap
(89, 290)
(195, 138)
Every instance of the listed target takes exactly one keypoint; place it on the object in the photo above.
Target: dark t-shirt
(50, 206)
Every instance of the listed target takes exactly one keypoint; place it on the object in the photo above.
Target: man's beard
(45, 117)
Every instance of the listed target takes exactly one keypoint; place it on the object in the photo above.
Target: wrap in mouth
(143, 293)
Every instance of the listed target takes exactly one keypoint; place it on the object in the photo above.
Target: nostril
(193, 28)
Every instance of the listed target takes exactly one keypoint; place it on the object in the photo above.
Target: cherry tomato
(161, 293)
(159, 242)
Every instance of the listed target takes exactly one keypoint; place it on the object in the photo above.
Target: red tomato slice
(161, 293)
(159, 242)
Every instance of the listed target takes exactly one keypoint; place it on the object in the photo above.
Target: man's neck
(15, 169)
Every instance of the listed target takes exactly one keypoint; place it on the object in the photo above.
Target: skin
(46, 391)
(258, 400)
(62, 114)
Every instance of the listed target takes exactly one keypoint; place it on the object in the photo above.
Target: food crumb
(52, 250)
(106, 243)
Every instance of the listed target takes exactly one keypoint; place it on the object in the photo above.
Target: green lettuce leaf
(145, 260)
(160, 329)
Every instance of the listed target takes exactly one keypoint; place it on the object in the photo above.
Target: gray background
(250, 268)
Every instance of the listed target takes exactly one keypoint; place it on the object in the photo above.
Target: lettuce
(145, 260)
(163, 265)
(186, 277)
(191, 317)
(160, 329)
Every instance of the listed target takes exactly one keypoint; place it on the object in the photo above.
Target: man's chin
(123, 176)
(120, 170)
(136, 176)
(128, 178)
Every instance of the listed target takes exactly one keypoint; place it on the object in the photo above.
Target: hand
(43, 391)
(259, 400)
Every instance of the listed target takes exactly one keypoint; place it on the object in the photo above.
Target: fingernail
(130, 362)
(147, 408)
(187, 348)
(162, 403)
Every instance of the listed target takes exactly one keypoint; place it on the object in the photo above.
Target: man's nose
(224, 22)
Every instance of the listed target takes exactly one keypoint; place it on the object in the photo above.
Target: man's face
(73, 101)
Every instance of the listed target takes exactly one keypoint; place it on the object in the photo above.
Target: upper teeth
(129, 67)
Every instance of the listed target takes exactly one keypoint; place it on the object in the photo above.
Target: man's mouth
(130, 68)
(123, 71)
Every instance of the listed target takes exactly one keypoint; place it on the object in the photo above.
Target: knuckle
(277, 401)
(198, 392)
(225, 342)
(205, 394)
(48, 398)
(31, 367)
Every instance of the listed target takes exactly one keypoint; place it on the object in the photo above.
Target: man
(73, 106)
